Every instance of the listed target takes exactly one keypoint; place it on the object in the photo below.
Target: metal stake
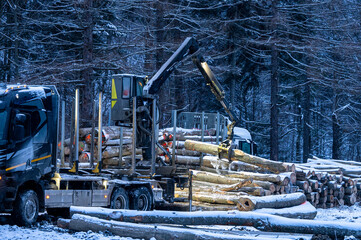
(190, 193)
(100, 135)
(174, 119)
(154, 128)
(132, 170)
(217, 128)
(76, 152)
(202, 136)
(120, 147)
(93, 135)
(62, 155)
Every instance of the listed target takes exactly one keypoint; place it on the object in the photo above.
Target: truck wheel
(141, 199)
(26, 208)
(120, 199)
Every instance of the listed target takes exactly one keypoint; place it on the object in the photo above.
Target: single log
(264, 184)
(214, 178)
(63, 223)
(143, 231)
(350, 199)
(115, 142)
(242, 166)
(214, 162)
(178, 144)
(290, 175)
(114, 151)
(303, 185)
(261, 221)
(304, 211)
(237, 186)
(184, 160)
(185, 152)
(215, 197)
(254, 191)
(236, 155)
(256, 176)
(276, 201)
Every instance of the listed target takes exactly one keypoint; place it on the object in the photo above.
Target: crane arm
(189, 48)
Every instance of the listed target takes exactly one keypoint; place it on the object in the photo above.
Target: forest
(289, 68)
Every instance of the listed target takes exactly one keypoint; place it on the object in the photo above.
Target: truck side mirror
(19, 132)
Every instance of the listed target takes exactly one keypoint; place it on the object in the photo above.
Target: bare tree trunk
(306, 123)
(87, 94)
(274, 87)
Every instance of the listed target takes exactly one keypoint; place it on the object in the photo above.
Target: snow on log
(303, 211)
(134, 230)
(250, 203)
(261, 221)
(237, 155)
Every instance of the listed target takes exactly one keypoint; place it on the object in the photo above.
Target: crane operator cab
(124, 88)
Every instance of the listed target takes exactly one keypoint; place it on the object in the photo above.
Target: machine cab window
(126, 87)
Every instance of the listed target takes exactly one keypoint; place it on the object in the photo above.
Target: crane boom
(190, 48)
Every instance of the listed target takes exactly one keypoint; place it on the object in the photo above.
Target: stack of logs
(326, 183)
(329, 183)
(110, 146)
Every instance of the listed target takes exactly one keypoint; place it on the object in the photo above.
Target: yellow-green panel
(114, 91)
(114, 102)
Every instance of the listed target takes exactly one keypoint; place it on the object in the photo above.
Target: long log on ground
(237, 155)
(303, 211)
(261, 221)
(276, 201)
(143, 231)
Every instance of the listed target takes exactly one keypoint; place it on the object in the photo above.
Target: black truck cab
(28, 136)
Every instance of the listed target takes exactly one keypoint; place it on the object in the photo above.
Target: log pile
(110, 146)
(330, 183)
(326, 183)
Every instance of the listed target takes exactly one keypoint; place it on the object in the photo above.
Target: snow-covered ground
(46, 231)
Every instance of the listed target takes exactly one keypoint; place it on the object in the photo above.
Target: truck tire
(120, 199)
(26, 208)
(141, 199)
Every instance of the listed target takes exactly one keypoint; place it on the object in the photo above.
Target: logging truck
(29, 179)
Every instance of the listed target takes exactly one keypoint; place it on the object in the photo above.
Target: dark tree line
(290, 68)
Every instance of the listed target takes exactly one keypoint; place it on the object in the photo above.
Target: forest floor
(46, 230)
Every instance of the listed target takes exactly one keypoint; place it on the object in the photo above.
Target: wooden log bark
(261, 221)
(242, 166)
(143, 231)
(214, 162)
(185, 152)
(276, 201)
(237, 155)
(255, 176)
(214, 178)
(304, 211)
